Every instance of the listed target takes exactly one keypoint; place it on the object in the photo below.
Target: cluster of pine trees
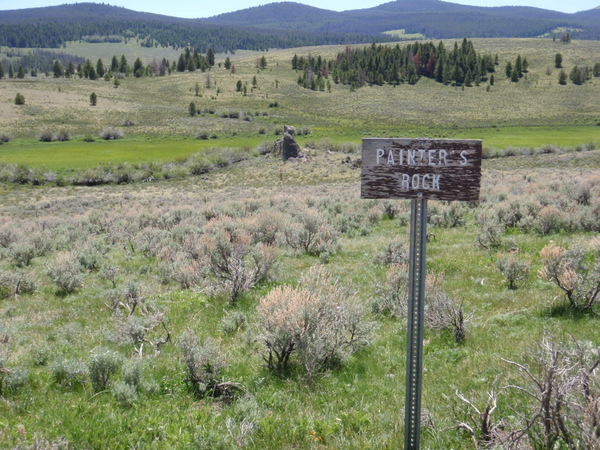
(192, 61)
(517, 70)
(380, 64)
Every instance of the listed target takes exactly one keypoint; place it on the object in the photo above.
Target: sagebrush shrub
(63, 135)
(22, 253)
(69, 372)
(46, 136)
(395, 253)
(111, 133)
(575, 271)
(232, 261)
(321, 323)
(103, 364)
(204, 363)
(307, 232)
(15, 283)
(489, 234)
(14, 379)
(66, 273)
(233, 322)
(515, 270)
(125, 394)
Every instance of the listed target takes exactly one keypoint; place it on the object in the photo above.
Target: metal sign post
(416, 307)
(419, 169)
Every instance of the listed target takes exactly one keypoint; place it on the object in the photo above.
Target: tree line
(64, 65)
(153, 33)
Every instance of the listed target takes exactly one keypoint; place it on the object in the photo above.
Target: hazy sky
(195, 8)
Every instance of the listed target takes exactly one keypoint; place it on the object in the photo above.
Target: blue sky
(195, 8)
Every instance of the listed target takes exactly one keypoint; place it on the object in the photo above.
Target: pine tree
(181, 64)
(210, 55)
(576, 76)
(558, 60)
(562, 77)
(508, 70)
(93, 99)
(114, 64)
(263, 62)
(519, 66)
(138, 68)
(514, 76)
(227, 63)
(70, 70)
(100, 68)
(123, 66)
(192, 109)
(21, 72)
(11, 71)
(468, 78)
(57, 69)
(19, 99)
(1, 70)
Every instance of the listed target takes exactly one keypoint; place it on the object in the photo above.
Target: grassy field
(356, 404)
(535, 112)
(89, 273)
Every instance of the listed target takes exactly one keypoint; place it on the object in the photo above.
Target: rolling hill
(433, 18)
(287, 24)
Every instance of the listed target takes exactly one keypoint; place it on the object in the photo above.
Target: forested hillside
(433, 18)
(51, 27)
(284, 25)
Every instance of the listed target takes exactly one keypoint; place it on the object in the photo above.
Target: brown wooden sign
(439, 169)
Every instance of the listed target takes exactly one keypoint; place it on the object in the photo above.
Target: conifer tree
(509, 69)
(1, 71)
(100, 68)
(181, 64)
(21, 72)
(57, 69)
(468, 80)
(558, 60)
(562, 77)
(114, 64)
(576, 76)
(93, 99)
(70, 70)
(210, 55)
(514, 76)
(519, 66)
(123, 66)
(11, 71)
(138, 68)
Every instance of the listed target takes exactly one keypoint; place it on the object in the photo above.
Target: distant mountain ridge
(288, 24)
(433, 18)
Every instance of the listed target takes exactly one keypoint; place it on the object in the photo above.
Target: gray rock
(289, 147)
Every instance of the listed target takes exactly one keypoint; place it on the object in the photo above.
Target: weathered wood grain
(438, 169)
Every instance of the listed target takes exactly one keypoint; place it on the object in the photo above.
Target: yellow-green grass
(76, 154)
(159, 105)
(402, 34)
